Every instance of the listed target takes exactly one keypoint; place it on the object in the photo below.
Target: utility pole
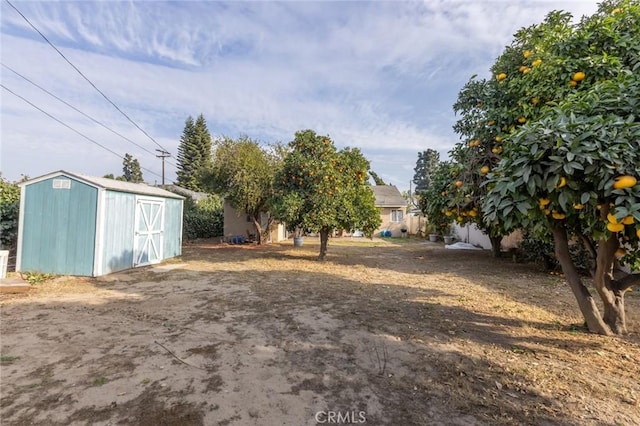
(163, 154)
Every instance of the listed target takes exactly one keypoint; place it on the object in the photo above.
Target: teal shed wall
(59, 228)
(117, 230)
(88, 229)
(172, 228)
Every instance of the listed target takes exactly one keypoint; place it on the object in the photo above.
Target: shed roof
(106, 183)
(195, 195)
(388, 196)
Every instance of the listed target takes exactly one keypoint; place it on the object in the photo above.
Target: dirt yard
(383, 333)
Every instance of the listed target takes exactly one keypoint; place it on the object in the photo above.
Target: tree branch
(626, 282)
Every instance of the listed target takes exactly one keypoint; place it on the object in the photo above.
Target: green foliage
(434, 202)
(555, 126)
(426, 166)
(587, 141)
(8, 358)
(243, 172)
(203, 142)
(320, 188)
(540, 250)
(194, 153)
(563, 112)
(34, 278)
(9, 211)
(131, 171)
(204, 219)
(376, 179)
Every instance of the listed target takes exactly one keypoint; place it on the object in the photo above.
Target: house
(238, 223)
(393, 210)
(72, 224)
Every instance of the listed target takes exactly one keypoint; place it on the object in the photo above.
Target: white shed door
(147, 243)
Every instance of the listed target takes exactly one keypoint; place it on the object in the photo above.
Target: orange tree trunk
(586, 303)
(324, 238)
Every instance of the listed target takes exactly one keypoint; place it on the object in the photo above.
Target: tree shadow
(395, 352)
(500, 275)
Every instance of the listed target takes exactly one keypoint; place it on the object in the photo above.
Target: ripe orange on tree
(626, 181)
(579, 76)
(615, 227)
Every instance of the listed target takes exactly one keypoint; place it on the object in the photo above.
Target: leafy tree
(194, 153)
(109, 176)
(243, 171)
(434, 202)
(376, 179)
(566, 104)
(131, 170)
(426, 165)
(474, 157)
(320, 189)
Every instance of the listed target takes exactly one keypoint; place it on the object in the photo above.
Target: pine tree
(377, 179)
(188, 157)
(203, 141)
(425, 168)
(194, 153)
(131, 169)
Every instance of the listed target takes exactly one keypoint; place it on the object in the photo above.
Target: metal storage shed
(71, 224)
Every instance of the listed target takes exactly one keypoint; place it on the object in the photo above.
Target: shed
(72, 224)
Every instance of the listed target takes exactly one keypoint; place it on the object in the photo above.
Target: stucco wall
(394, 227)
(237, 225)
(471, 234)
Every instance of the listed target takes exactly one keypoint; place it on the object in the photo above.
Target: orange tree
(475, 157)
(566, 101)
(433, 201)
(320, 189)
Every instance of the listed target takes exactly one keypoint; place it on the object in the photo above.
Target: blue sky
(380, 76)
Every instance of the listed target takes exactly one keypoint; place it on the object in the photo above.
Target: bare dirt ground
(389, 333)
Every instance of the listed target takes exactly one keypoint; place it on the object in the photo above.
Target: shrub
(540, 250)
(204, 219)
(9, 208)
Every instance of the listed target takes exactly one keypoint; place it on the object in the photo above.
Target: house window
(396, 215)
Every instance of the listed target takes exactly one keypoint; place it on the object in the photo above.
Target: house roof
(105, 183)
(388, 196)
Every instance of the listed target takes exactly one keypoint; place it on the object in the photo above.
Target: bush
(9, 209)
(204, 219)
(541, 251)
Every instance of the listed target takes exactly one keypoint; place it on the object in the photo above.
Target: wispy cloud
(377, 75)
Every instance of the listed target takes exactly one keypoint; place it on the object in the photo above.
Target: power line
(83, 76)
(71, 128)
(76, 109)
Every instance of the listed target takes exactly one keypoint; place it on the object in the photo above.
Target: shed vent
(61, 184)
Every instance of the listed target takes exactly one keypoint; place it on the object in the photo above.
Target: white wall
(471, 234)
